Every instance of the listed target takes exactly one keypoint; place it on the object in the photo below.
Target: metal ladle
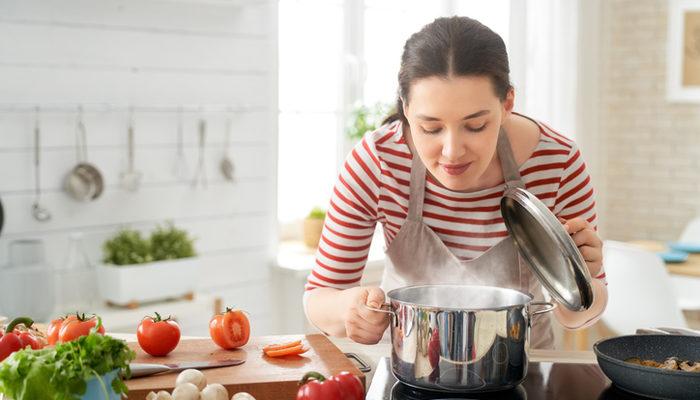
(226, 163)
(40, 213)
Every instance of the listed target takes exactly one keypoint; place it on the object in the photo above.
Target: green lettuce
(61, 373)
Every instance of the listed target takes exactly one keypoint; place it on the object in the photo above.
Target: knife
(139, 370)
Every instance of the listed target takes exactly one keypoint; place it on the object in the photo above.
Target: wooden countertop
(691, 267)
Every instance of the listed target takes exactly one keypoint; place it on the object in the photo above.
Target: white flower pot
(139, 283)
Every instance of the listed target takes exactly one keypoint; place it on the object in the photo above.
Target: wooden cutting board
(264, 377)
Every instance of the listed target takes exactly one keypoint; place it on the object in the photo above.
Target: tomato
(230, 329)
(158, 336)
(77, 325)
(55, 327)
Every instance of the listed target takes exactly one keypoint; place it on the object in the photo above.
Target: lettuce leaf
(61, 372)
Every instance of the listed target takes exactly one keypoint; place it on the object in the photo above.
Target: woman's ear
(404, 107)
(509, 102)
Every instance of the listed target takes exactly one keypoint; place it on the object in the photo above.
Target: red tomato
(55, 327)
(157, 336)
(76, 326)
(230, 329)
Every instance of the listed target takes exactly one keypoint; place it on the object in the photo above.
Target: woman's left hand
(588, 242)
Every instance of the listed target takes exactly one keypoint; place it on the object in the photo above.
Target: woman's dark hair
(454, 46)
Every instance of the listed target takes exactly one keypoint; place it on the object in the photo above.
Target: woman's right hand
(362, 324)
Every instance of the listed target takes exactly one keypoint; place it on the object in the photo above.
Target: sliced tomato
(288, 351)
(273, 347)
(230, 329)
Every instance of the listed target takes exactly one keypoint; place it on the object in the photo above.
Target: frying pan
(648, 381)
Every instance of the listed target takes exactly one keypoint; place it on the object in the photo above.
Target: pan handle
(548, 306)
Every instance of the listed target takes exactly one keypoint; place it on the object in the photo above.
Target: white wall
(154, 56)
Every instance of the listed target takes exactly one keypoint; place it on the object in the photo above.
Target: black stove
(544, 381)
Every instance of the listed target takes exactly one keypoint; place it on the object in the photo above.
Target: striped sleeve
(575, 196)
(350, 221)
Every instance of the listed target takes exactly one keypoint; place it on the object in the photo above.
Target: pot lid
(548, 249)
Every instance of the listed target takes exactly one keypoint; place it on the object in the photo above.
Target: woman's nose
(452, 147)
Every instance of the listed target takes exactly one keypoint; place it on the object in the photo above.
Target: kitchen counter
(373, 354)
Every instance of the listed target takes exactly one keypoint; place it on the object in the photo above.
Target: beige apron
(418, 256)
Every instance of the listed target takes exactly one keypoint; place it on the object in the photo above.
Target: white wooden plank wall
(154, 55)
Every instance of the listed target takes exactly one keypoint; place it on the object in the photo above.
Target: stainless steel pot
(459, 337)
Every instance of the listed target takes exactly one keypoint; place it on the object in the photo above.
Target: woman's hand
(362, 324)
(589, 244)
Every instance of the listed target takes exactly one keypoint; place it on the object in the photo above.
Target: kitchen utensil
(40, 213)
(460, 338)
(131, 179)
(650, 381)
(140, 370)
(201, 174)
(668, 331)
(226, 163)
(2, 216)
(261, 376)
(84, 182)
(26, 252)
(180, 169)
(548, 249)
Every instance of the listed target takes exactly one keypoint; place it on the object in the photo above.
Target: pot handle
(386, 309)
(549, 306)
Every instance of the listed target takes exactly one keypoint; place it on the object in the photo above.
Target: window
(330, 52)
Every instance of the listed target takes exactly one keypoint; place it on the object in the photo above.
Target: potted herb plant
(137, 269)
(313, 226)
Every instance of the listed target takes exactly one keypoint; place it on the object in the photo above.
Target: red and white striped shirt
(373, 187)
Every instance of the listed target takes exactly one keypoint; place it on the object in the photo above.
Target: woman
(433, 176)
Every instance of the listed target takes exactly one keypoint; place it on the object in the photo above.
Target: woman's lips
(455, 169)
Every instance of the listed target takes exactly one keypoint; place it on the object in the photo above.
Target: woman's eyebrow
(470, 116)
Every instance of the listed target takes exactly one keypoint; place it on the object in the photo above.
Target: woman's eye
(431, 131)
(479, 129)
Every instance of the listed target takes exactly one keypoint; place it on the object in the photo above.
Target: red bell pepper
(16, 338)
(344, 386)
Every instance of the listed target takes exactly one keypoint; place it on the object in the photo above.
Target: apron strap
(511, 174)
(416, 193)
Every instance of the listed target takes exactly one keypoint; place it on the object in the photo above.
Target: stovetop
(543, 381)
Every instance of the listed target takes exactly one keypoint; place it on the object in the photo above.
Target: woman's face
(454, 124)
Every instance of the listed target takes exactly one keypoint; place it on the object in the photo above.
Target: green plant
(169, 243)
(366, 118)
(61, 372)
(317, 213)
(127, 247)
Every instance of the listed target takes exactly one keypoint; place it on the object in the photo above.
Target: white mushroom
(186, 391)
(215, 391)
(162, 395)
(192, 376)
(242, 396)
